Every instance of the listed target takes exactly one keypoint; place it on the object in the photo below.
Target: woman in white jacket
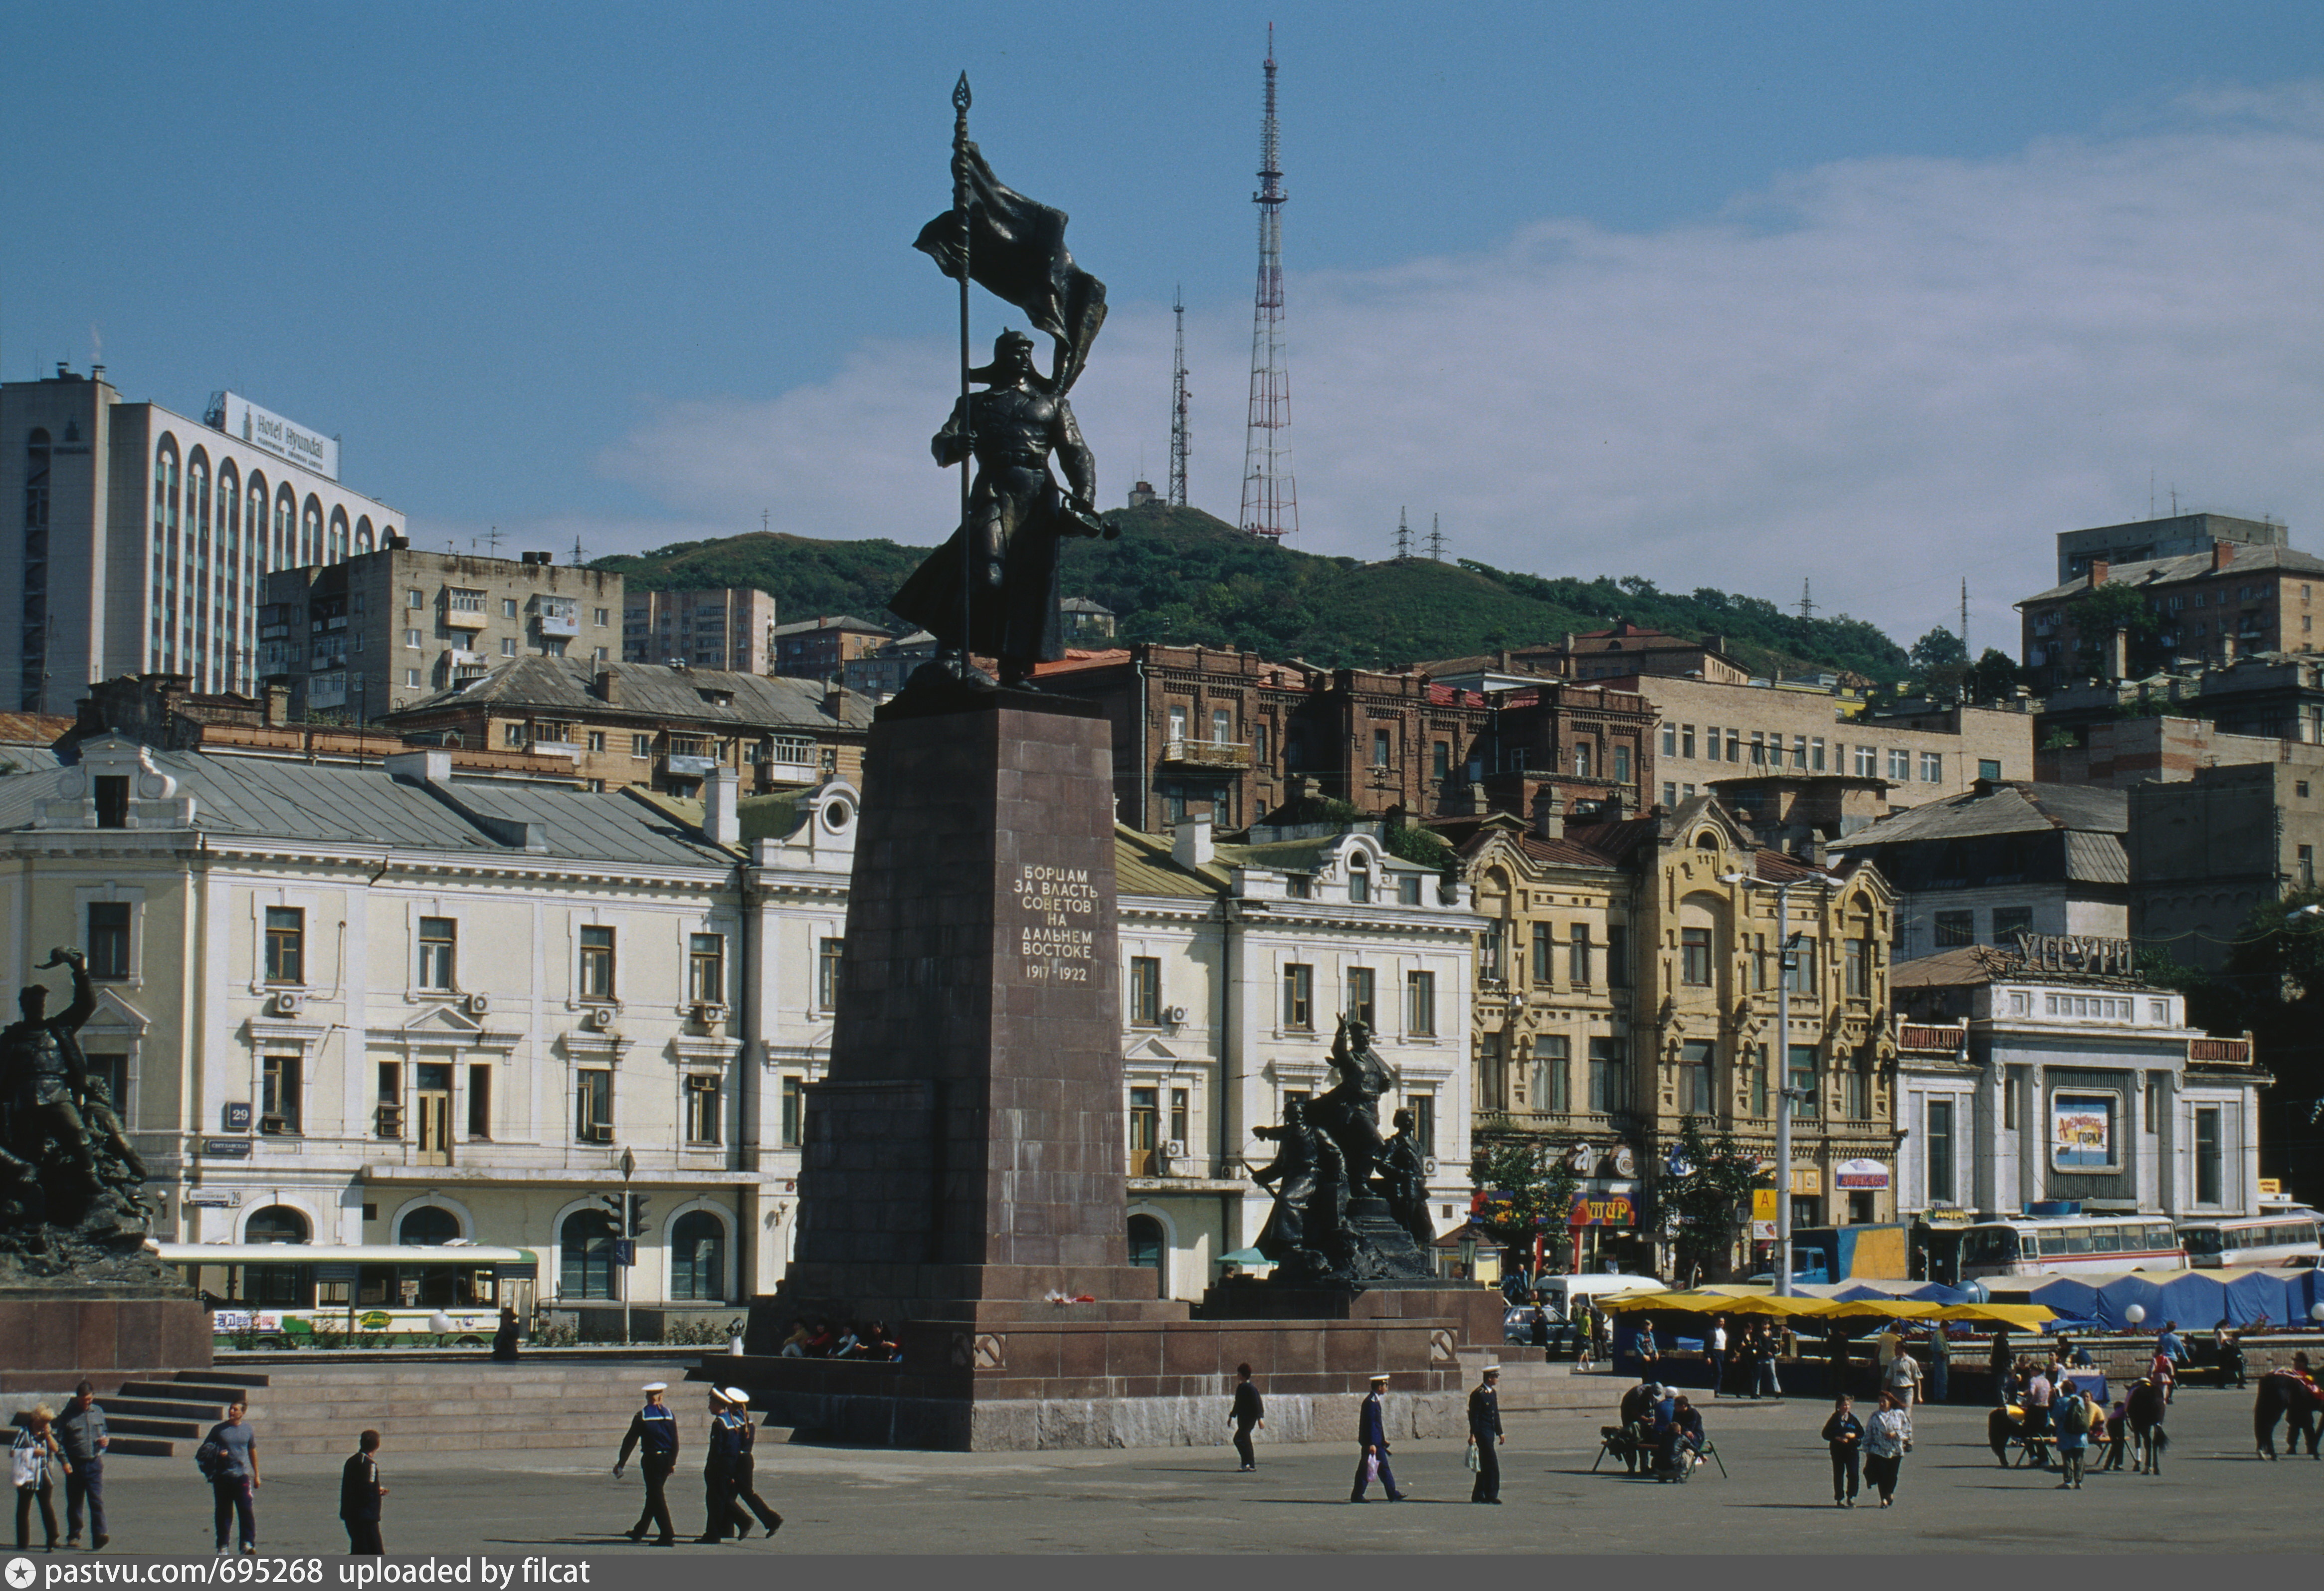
(1887, 1438)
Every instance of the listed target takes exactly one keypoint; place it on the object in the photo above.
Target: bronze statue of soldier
(1350, 1110)
(47, 1075)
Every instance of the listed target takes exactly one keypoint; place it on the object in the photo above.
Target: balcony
(571, 748)
(327, 690)
(1227, 756)
(463, 658)
(464, 617)
(679, 765)
(554, 621)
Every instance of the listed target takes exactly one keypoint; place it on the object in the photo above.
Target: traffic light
(637, 1215)
(613, 1203)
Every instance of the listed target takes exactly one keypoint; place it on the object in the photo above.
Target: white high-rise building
(145, 536)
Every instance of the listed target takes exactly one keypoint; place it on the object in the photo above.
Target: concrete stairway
(1528, 1386)
(159, 1418)
(471, 1405)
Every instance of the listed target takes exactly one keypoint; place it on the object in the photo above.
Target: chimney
(2227, 649)
(1190, 841)
(1549, 813)
(608, 688)
(2119, 656)
(1615, 807)
(2097, 572)
(722, 811)
(2223, 553)
(426, 765)
(278, 705)
(834, 700)
(1473, 804)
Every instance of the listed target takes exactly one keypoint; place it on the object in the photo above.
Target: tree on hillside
(2109, 611)
(1942, 663)
(1993, 677)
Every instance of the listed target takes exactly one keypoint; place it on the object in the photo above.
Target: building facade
(2228, 601)
(362, 638)
(2023, 1080)
(2205, 850)
(144, 536)
(730, 627)
(821, 649)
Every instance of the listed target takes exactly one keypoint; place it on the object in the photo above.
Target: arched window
(363, 534)
(426, 1228)
(336, 552)
(277, 1223)
(311, 532)
(286, 521)
(1148, 1246)
(697, 1256)
(585, 1261)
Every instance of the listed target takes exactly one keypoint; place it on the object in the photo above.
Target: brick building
(820, 649)
(728, 627)
(2231, 601)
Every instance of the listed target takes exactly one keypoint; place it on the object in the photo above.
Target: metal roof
(653, 690)
(2246, 560)
(2016, 808)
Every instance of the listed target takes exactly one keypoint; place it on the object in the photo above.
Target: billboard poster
(2081, 1131)
(283, 438)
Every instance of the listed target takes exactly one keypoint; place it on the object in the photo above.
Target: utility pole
(1965, 651)
(1270, 499)
(1181, 431)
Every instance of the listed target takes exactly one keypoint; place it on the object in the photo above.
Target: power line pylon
(1807, 599)
(1403, 538)
(1182, 432)
(1435, 538)
(1270, 500)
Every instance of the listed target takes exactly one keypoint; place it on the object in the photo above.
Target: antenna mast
(1270, 500)
(1182, 433)
(1965, 616)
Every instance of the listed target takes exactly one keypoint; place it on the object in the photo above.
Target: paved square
(2214, 1495)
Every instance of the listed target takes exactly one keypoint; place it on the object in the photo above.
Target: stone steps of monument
(122, 1425)
(183, 1392)
(128, 1447)
(162, 1409)
(217, 1376)
(456, 1407)
(1528, 1386)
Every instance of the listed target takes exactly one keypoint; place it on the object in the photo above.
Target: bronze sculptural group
(1331, 1163)
(71, 1182)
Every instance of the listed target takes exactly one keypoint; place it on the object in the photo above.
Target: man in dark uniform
(1485, 1436)
(1372, 1441)
(359, 1496)
(720, 1511)
(655, 1430)
(1249, 1410)
(47, 1074)
(746, 1495)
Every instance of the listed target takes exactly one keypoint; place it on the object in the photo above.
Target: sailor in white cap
(1371, 1438)
(738, 1405)
(1485, 1435)
(655, 1429)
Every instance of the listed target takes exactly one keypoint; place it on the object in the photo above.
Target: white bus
(2025, 1246)
(354, 1295)
(2277, 1238)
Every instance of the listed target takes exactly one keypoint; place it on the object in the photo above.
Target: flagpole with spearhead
(960, 102)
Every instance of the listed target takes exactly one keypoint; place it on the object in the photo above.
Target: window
(1544, 955)
(1694, 957)
(1181, 1117)
(112, 801)
(480, 1102)
(828, 955)
(1177, 716)
(698, 1254)
(585, 1256)
(1710, 741)
(2307, 867)
(1145, 1129)
(512, 734)
(793, 1120)
(110, 1072)
(596, 739)
(508, 607)
(1221, 726)
(1800, 1078)
(1694, 1077)
(508, 646)
(1145, 991)
(286, 944)
(1760, 749)
(1858, 953)
(391, 1099)
(1379, 748)
(1359, 1004)
(1581, 761)
(1937, 1133)
(1686, 740)
(1670, 739)
(1800, 976)
(108, 940)
(412, 680)
(1867, 762)
(1815, 754)
(278, 1107)
(1858, 1079)
(1420, 1005)
(702, 1108)
(438, 941)
(2009, 1102)
(1407, 889)
(596, 963)
(426, 1227)
(1735, 745)
(1954, 928)
(1424, 1122)
(1359, 881)
(415, 598)
(1988, 767)
(1618, 956)
(2210, 1162)
(2009, 922)
(593, 1108)
(1932, 767)
(1298, 996)
(1759, 1080)
(706, 969)
(641, 746)
(411, 639)
(1900, 766)
(1799, 751)
(461, 600)
(1577, 957)
(1670, 794)
(1608, 1093)
(1621, 764)
(1552, 1083)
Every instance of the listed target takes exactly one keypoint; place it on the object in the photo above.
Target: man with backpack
(2071, 1419)
(228, 1460)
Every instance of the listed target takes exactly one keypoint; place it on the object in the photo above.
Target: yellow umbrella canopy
(1882, 1309)
(2024, 1316)
(1700, 1302)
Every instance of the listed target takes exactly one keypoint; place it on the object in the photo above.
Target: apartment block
(730, 627)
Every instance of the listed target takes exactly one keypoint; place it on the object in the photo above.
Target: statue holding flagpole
(992, 588)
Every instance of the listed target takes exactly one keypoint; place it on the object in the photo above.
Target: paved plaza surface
(2214, 1495)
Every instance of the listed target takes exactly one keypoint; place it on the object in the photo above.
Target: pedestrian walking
(2040, 1392)
(1592, 1328)
(1941, 1364)
(1248, 1414)
(654, 1430)
(2118, 1434)
(1714, 1348)
(720, 1511)
(1886, 1440)
(1843, 1434)
(1485, 1436)
(1835, 1343)
(81, 1431)
(2230, 1345)
(2071, 1418)
(1903, 1376)
(228, 1457)
(1537, 1325)
(359, 1496)
(29, 1460)
(1770, 1350)
(1372, 1441)
(2002, 1361)
(746, 1491)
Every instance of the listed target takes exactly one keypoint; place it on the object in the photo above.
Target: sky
(1871, 298)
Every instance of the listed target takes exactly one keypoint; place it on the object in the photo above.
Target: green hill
(1182, 577)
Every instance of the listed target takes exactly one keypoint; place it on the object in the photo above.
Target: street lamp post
(1788, 958)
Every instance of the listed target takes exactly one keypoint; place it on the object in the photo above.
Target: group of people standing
(75, 1443)
(730, 1499)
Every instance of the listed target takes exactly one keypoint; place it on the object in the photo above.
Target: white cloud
(1882, 373)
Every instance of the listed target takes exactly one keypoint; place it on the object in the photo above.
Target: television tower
(1182, 435)
(1270, 500)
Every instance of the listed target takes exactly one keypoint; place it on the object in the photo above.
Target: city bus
(2025, 1246)
(354, 1295)
(2276, 1237)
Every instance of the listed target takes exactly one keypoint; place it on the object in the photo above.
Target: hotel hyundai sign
(260, 427)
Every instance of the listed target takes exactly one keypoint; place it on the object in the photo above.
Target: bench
(1619, 1440)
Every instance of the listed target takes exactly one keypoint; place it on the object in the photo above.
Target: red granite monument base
(46, 1342)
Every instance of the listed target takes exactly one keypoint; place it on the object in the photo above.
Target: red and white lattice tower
(1270, 500)
(1181, 431)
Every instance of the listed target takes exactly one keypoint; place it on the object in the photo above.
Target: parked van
(1563, 1298)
